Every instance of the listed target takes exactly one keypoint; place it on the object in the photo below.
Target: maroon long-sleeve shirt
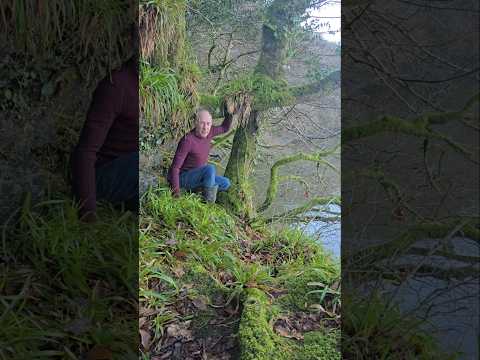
(110, 130)
(192, 152)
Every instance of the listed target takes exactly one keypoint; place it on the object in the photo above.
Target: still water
(326, 233)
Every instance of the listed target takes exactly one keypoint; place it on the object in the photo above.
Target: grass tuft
(83, 276)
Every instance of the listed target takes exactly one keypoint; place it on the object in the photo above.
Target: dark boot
(210, 194)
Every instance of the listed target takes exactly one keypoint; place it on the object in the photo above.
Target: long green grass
(159, 92)
(373, 329)
(84, 30)
(193, 250)
(184, 242)
(67, 286)
(163, 102)
(169, 74)
(162, 32)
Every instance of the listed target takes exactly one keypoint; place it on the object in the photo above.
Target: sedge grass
(68, 286)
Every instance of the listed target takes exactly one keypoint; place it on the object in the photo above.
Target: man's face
(203, 124)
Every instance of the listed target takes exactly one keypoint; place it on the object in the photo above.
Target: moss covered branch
(318, 201)
(268, 93)
(402, 244)
(391, 188)
(437, 272)
(256, 337)
(220, 140)
(275, 179)
(420, 126)
(325, 84)
(445, 254)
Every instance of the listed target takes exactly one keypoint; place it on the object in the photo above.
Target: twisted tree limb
(420, 126)
(365, 258)
(445, 254)
(275, 178)
(306, 207)
(330, 82)
(400, 272)
(223, 139)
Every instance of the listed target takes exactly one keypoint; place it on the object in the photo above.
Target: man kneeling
(189, 169)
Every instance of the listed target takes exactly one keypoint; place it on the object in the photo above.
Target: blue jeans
(117, 181)
(203, 176)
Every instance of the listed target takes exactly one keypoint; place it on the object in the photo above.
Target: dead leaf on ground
(280, 330)
(200, 302)
(323, 310)
(179, 331)
(145, 338)
(145, 312)
(275, 293)
(180, 255)
(178, 271)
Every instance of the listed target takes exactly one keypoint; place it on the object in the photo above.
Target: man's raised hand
(228, 106)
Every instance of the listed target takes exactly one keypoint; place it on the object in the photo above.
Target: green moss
(257, 339)
(319, 345)
(213, 255)
(211, 102)
(392, 124)
(265, 91)
(275, 179)
(239, 199)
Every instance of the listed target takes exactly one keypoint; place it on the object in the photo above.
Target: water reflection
(326, 231)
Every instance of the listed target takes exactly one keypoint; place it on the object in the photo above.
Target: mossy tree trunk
(280, 19)
(239, 198)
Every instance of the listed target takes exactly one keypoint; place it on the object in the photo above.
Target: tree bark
(280, 19)
(239, 199)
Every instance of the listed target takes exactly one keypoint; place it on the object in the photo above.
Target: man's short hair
(199, 110)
